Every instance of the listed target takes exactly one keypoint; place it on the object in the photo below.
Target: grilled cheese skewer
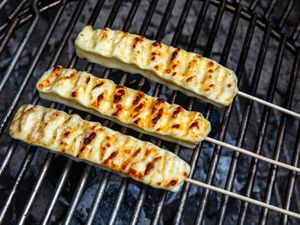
(91, 142)
(190, 73)
(126, 106)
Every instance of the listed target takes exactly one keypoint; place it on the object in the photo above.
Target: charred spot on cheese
(87, 80)
(98, 85)
(57, 70)
(80, 151)
(139, 107)
(189, 78)
(99, 98)
(168, 70)
(148, 151)
(174, 54)
(89, 138)
(136, 121)
(210, 63)
(137, 152)
(158, 116)
(148, 168)
(120, 92)
(229, 85)
(117, 98)
(138, 97)
(137, 40)
(185, 174)
(119, 109)
(112, 155)
(176, 111)
(211, 85)
(132, 171)
(66, 134)
(156, 43)
(176, 126)
(172, 183)
(156, 67)
(194, 124)
(74, 94)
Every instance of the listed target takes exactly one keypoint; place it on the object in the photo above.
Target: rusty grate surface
(41, 188)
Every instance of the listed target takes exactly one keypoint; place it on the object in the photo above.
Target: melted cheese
(188, 72)
(135, 109)
(89, 141)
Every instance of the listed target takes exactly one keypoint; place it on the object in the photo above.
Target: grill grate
(241, 111)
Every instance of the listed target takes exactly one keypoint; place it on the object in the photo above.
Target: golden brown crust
(91, 142)
(188, 72)
(129, 107)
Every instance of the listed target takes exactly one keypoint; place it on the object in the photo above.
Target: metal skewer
(271, 105)
(243, 198)
(254, 155)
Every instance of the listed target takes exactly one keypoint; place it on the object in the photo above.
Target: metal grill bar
(245, 121)
(217, 150)
(159, 35)
(296, 31)
(262, 129)
(20, 48)
(85, 175)
(78, 192)
(286, 13)
(68, 165)
(26, 17)
(276, 155)
(9, 33)
(291, 180)
(24, 82)
(32, 149)
(269, 9)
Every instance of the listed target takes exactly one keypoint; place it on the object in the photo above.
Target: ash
(203, 164)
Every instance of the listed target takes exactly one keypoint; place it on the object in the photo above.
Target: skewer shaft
(281, 109)
(254, 155)
(244, 198)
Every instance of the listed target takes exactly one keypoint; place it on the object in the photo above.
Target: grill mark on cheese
(174, 54)
(176, 126)
(194, 124)
(138, 97)
(89, 138)
(120, 92)
(110, 158)
(119, 109)
(158, 116)
(148, 168)
(143, 111)
(177, 111)
(57, 70)
(98, 85)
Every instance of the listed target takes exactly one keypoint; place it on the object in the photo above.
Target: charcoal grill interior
(257, 39)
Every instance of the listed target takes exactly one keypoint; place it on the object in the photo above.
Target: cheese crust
(126, 106)
(91, 142)
(190, 73)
